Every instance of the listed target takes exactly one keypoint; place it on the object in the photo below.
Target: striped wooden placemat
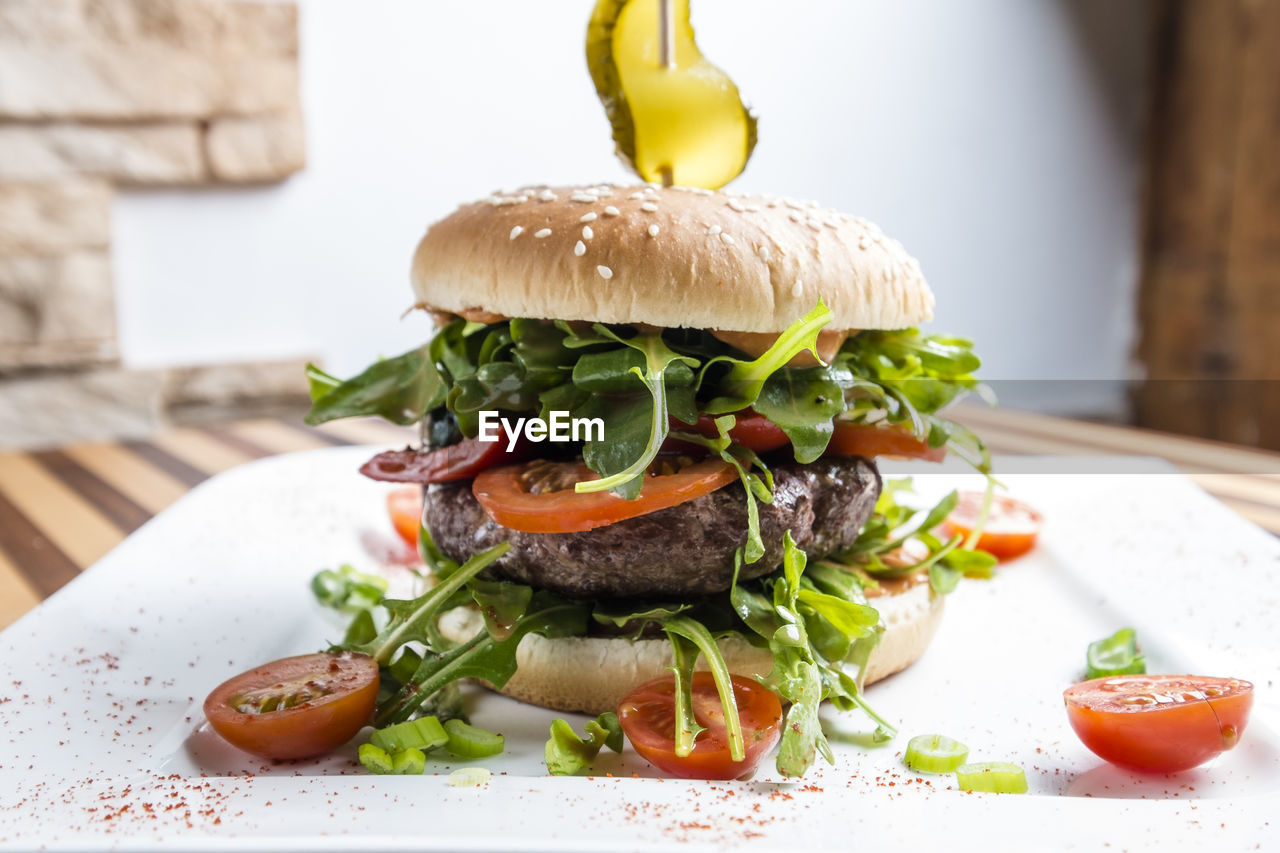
(62, 509)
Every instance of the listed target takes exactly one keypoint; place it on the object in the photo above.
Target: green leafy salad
(650, 387)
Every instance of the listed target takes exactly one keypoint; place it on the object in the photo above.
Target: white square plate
(104, 744)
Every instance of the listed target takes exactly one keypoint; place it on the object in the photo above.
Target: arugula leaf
(803, 403)
(409, 619)
(400, 389)
(744, 461)
(566, 754)
(320, 383)
(802, 735)
(502, 605)
(795, 672)
(686, 629)
(742, 384)
(638, 620)
(628, 436)
(684, 656)
(971, 564)
(484, 657)
(347, 590)
(657, 358)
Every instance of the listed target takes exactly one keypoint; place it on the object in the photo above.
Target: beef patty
(683, 550)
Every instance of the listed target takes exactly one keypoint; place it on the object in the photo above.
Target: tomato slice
(1011, 527)
(505, 493)
(752, 430)
(405, 508)
(1159, 723)
(460, 461)
(296, 707)
(870, 440)
(647, 715)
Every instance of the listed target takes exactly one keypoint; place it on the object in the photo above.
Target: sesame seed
(814, 224)
(611, 211)
(649, 207)
(795, 217)
(753, 208)
(516, 232)
(797, 288)
(726, 239)
(713, 230)
(588, 217)
(763, 252)
(584, 196)
(579, 248)
(587, 233)
(734, 204)
(605, 272)
(888, 273)
(653, 230)
(545, 232)
(547, 195)
(636, 195)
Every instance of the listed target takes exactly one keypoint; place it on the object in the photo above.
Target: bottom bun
(592, 674)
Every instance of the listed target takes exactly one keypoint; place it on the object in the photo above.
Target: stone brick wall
(99, 94)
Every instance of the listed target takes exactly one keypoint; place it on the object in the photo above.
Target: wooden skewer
(667, 58)
(666, 34)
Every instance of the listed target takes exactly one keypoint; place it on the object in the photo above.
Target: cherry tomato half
(405, 508)
(1159, 723)
(870, 440)
(296, 707)
(505, 493)
(647, 715)
(1011, 527)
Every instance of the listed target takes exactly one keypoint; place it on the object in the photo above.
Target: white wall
(996, 138)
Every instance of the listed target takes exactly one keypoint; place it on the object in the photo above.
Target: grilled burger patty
(683, 550)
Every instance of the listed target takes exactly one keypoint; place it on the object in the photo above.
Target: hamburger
(736, 364)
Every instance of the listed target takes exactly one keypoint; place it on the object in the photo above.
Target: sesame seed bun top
(673, 257)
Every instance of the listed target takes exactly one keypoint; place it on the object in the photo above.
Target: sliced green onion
(422, 733)
(405, 762)
(470, 777)
(375, 759)
(935, 754)
(1115, 655)
(992, 777)
(409, 762)
(467, 741)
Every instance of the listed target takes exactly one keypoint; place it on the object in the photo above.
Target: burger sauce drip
(896, 586)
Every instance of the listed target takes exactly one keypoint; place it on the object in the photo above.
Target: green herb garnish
(1115, 655)
(567, 754)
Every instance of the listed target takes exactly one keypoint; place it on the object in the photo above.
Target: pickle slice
(685, 124)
